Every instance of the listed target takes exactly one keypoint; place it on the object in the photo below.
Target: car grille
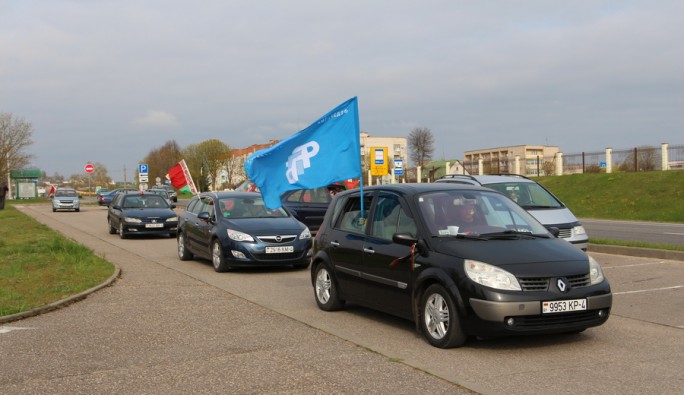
(558, 320)
(274, 239)
(542, 283)
(565, 233)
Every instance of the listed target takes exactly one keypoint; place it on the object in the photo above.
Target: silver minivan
(534, 198)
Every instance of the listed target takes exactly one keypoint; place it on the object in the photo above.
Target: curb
(637, 251)
(61, 303)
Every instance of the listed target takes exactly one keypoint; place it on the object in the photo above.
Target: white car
(535, 199)
(66, 199)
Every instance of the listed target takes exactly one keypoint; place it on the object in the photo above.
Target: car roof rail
(457, 176)
(509, 175)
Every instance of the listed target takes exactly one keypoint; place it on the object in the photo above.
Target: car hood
(267, 225)
(528, 256)
(148, 212)
(553, 216)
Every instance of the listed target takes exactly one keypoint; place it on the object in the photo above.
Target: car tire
(54, 209)
(183, 253)
(112, 229)
(122, 234)
(77, 210)
(325, 289)
(217, 258)
(439, 320)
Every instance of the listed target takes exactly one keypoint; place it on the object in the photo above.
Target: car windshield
(527, 194)
(479, 213)
(144, 201)
(65, 193)
(248, 208)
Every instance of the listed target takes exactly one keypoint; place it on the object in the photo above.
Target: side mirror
(554, 231)
(173, 206)
(204, 216)
(408, 240)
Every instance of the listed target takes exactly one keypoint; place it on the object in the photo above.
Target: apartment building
(528, 160)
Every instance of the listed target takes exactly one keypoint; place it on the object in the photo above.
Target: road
(639, 350)
(650, 232)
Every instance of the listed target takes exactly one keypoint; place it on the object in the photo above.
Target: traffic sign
(143, 168)
(89, 168)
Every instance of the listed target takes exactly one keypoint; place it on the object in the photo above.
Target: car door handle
(334, 244)
(369, 250)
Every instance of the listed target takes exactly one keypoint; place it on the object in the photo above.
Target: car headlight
(239, 236)
(306, 234)
(491, 276)
(579, 230)
(131, 219)
(595, 272)
(172, 219)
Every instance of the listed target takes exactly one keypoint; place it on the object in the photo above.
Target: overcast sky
(108, 81)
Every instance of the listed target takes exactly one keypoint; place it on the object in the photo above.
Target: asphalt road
(650, 232)
(168, 326)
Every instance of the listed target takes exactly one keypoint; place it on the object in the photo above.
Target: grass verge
(639, 244)
(39, 266)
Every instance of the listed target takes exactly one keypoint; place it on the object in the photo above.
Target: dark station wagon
(458, 260)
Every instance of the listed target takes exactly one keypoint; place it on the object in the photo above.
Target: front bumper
(527, 317)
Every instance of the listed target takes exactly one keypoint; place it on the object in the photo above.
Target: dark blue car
(235, 229)
(138, 213)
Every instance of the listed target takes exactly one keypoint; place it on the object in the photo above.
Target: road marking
(676, 234)
(7, 329)
(635, 265)
(649, 290)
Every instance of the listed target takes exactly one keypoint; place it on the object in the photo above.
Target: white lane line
(635, 265)
(649, 290)
(671, 233)
(7, 329)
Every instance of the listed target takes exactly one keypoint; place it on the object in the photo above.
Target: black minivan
(458, 260)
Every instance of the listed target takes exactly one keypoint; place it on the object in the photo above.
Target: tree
(205, 160)
(421, 146)
(160, 160)
(15, 136)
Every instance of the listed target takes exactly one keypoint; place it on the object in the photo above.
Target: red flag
(181, 179)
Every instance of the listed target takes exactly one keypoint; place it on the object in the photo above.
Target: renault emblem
(561, 285)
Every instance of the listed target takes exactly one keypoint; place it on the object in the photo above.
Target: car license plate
(563, 306)
(154, 225)
(279, 249)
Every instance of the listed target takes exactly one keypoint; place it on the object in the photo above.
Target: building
(397, 150)
(527, 160)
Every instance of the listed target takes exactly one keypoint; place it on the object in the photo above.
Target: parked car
(66, 199)
(459, 260)
(307, 205)
(537, 200)
(106, 198)
(101, 191)
(235, 229)
(136, 213)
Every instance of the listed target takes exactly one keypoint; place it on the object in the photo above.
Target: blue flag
(327, 151)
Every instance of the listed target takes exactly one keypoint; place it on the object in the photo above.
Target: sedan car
(136, 213)
(459, 260)
(66, 199)
(106, 198)
(235, 229)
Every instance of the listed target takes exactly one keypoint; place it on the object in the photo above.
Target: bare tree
(421, 146)
(15, 136)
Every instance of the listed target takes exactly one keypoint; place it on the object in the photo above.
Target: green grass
(39, 266)
(656, 196)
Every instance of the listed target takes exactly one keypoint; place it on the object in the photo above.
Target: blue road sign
(143, 169)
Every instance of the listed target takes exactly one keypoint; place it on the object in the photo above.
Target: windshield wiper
(513, 234)
(463, 236)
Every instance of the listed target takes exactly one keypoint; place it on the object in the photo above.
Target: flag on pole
(181, 179)
(327, 151)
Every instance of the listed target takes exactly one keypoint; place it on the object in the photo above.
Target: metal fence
(645, 158)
